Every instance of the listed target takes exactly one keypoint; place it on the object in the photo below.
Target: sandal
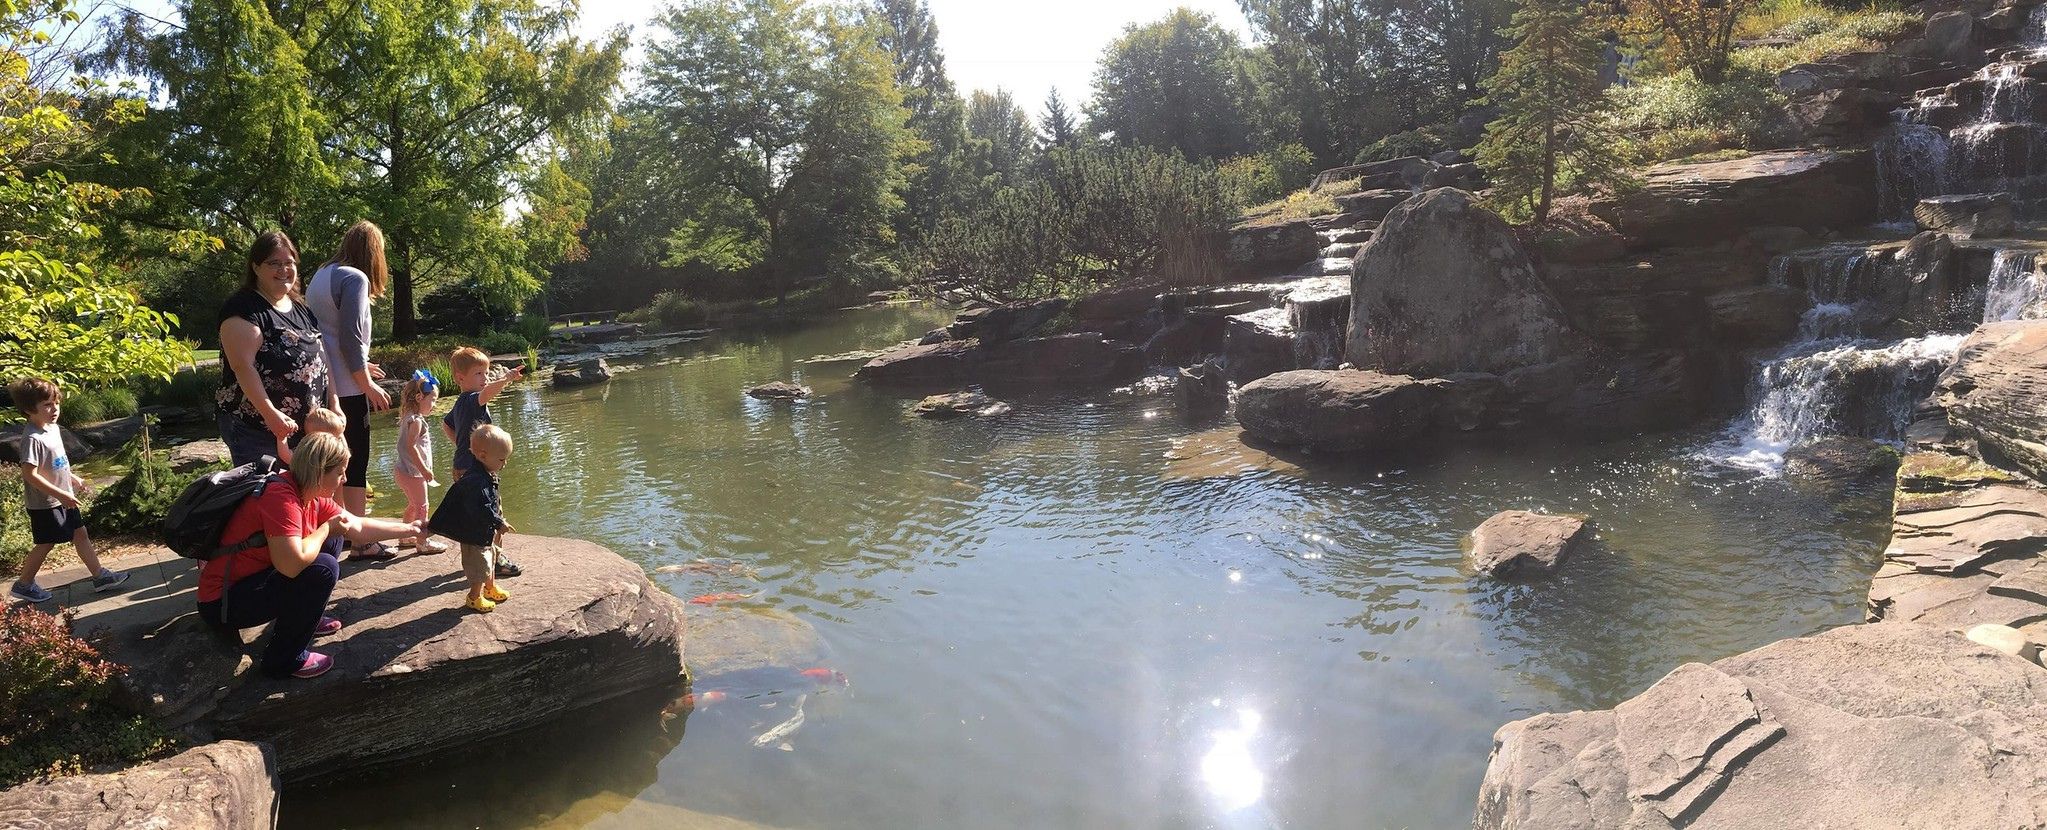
(430, 546)
(507, 568)
(328, 625)
(375, 552)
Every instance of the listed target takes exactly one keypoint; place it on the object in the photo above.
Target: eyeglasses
(291, 264)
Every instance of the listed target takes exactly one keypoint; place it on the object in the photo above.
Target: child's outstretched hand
(508, 529)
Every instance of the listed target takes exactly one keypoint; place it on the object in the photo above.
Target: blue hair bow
(426, 379)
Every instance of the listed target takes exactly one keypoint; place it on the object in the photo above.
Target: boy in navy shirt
(472, 374)
(470, 515)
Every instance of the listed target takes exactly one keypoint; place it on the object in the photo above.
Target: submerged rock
(1339, 410)
(1446, 288)
(1202, 388)
(780, 390)
(229, 785)
(1996, 394)
(1862, 726)
(1063, 360)
(582, 372)
(953, 405)
(1843, 466)
(1518, 543)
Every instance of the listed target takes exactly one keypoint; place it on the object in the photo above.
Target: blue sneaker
(29, 592)
(108, 580)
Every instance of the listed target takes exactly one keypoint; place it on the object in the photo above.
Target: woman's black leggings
(292, 606)
(357, 409)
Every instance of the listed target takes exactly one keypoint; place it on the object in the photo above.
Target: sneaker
(29, 592)
(108, 580)
(481, 604)
(316, 664)
(496, 595)
(328, 625)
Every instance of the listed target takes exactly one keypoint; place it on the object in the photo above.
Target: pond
(1091, 612)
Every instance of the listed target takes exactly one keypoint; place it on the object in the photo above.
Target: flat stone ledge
(230, 785)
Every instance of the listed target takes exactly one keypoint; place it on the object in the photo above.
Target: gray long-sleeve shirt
(340, 296)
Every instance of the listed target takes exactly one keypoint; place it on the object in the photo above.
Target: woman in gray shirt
(340, 294)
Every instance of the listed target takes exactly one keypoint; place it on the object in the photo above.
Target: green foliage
(191, 388)
(1693, 35)
(1552, 136)
(93, 404)
(73, 324)
(771, 140)
(1096, 216)
(1676, 116)
(426, 116)
(1001, 139)
(501, 342)
(1820, 32)
(136, 503)
(1269, 175)
(57, 711)
(14, 538)
(673, 312)
(465, 308)
(1427, 141)
(1181, 83)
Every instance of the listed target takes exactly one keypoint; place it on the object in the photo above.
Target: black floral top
(289, 361)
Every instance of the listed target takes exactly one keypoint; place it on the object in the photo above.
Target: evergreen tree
(1057, 128)
(1004, 138)
(1180, 83)
(1551, 135)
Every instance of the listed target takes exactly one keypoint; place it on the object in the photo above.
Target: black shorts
(357, 409)
(54, 525)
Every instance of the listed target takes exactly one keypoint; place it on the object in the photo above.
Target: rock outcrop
(1003, 323)
(1256, 249)
(780, 390)
(1445, 287)
(1996, 394)
(584, 372)
(935, 364)
(1518, 543)
(1339, 410)
(1061, 360)
(415, 673)
(1974, 215)
(229, 785)
(1698, 203)
(1863, 726)
(953, 405)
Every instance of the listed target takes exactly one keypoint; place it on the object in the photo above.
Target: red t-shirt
(276, 513)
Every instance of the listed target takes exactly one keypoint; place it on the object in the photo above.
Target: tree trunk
(403, 327)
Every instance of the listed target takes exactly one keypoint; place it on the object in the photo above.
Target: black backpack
(193, 526)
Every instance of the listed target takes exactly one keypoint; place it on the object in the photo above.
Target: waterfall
(1911, 164)
(2016, 289)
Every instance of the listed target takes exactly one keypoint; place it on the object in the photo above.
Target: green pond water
(1092, 612)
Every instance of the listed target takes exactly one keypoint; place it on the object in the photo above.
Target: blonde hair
(317, 454)
(362, 248)
(322, 419)
(415, 390)
(467, 358)
(490, 439)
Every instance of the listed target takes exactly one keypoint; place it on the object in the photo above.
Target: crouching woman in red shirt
(287, 579)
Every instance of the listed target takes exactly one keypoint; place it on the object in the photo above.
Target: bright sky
(1027, 47)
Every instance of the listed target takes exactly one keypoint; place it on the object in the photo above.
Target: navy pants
(291, 604)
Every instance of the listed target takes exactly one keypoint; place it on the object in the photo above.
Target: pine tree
(1551, 136)
(1057, 128)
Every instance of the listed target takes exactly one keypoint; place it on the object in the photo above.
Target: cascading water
(1983, 134)
(1834, 380)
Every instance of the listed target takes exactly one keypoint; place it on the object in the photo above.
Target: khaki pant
(477, 561)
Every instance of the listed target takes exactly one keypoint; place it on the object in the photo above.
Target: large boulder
(1518, 543)
(1445, 287)
(1064, 360)
(1971, 215)
(1006, 322)
(585, 372)
(111, 434)
(1891, 725)
(934, 364)
(1258, 343)
(229, 785)
(415, 673)
(197, 455)
(1996, 394)
(1697, 203)
(1834, 116)
(1339, 410)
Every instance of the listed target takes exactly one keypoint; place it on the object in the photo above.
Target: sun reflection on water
(1233, 778)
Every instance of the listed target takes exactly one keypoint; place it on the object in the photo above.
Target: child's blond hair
(467, 358)
(416, 389)
(490, 439)
(322, 419)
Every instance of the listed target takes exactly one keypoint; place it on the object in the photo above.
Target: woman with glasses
(272, 370)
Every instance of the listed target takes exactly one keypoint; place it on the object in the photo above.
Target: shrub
(1268, 175)
(57, 715)
(671, 310)
(137, 503)
(14, 539)
(95, 404)
(501, 342)
(1819, 32)
(465, 308)
(534, 328)
(1426, 141)
(191, 388)
(1677, 115)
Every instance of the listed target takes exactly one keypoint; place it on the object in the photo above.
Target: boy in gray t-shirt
(50, 492)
